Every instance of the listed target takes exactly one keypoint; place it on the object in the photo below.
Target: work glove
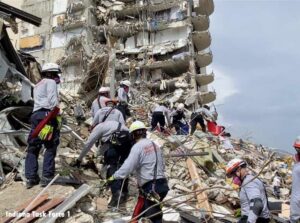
(59, 121)
(75, 163)
(46, 133)
(110, 179)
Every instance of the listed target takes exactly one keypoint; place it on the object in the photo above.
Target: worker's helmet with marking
(111, 102)
(104, 90)
(233, 165)
(51, 67)
(297, 144)
(126, 83)
(180, 107)
(137, 125)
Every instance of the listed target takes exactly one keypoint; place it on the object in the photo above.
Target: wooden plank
(67, 204)
(42, 210)
(20, 208)
(202, 199)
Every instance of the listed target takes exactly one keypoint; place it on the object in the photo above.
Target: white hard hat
(51, 67)
(104, 89)
(136, 126)
(180, 106)
(233, 165)
(126, 83)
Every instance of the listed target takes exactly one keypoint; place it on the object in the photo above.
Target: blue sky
(256, 48)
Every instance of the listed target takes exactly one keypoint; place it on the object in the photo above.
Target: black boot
(45, 181)
(32, 182)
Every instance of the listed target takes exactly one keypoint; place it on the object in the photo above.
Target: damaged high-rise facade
(162, 45)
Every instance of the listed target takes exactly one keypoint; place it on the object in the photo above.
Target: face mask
(237, 181)
(57, 80)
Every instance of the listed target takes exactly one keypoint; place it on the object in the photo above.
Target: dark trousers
(244, 219)
(161, 188)
(114, 157)
(158, 117)
(35, 145)
(123, 108)
(197, 118)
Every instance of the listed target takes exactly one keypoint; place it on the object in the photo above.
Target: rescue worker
(295, 195)
(114, 154)
(198, 117)
(146, 159)
(158, 116)
(253, 196)
(123, 98)
(99, 102)
(108, 113)
(177, 117)
(45, 95)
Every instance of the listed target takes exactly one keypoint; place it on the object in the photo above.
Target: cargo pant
(35, 145)
(114, 157)
(161, 188)
(158, 117)
(197, 118)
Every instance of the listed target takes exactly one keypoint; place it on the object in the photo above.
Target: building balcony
(203, 58)
(201, 40)
(204, 79)
(204, 7)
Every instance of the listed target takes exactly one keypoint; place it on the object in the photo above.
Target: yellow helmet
(137, 125)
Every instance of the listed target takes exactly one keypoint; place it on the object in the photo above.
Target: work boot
(45, 181)
(32, 182)
(115, 198)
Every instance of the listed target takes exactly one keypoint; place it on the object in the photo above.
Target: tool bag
(120, 137)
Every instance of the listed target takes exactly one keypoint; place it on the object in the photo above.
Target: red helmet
(233, 165)
(297, 143)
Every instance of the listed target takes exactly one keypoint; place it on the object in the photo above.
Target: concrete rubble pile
(181, 153)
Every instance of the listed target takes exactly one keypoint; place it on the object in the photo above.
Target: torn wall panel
(31, 42)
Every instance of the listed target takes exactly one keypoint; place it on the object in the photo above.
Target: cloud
(224, 86)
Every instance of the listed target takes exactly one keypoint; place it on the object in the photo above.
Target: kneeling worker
(116, 144)
(146, 159)
(253, 197)
(158, 116)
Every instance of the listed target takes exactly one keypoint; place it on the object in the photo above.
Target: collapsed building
(162, 44)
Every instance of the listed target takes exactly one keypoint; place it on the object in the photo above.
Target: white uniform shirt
(45, 94)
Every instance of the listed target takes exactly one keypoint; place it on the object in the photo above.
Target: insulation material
(59, 39)
(31, 42)
(130, 43)
(169, 35)
(58, 20)
(142, 39)
(59, 6)
(176, 13)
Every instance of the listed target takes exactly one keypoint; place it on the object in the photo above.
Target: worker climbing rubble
(178, 120)
(116, 144)
(99, 102)
(146, 159)
(198, 116)
(295, 196)
(253, 196)
(109, 113)
(158, 116)
(123, 98)
(45, 127)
